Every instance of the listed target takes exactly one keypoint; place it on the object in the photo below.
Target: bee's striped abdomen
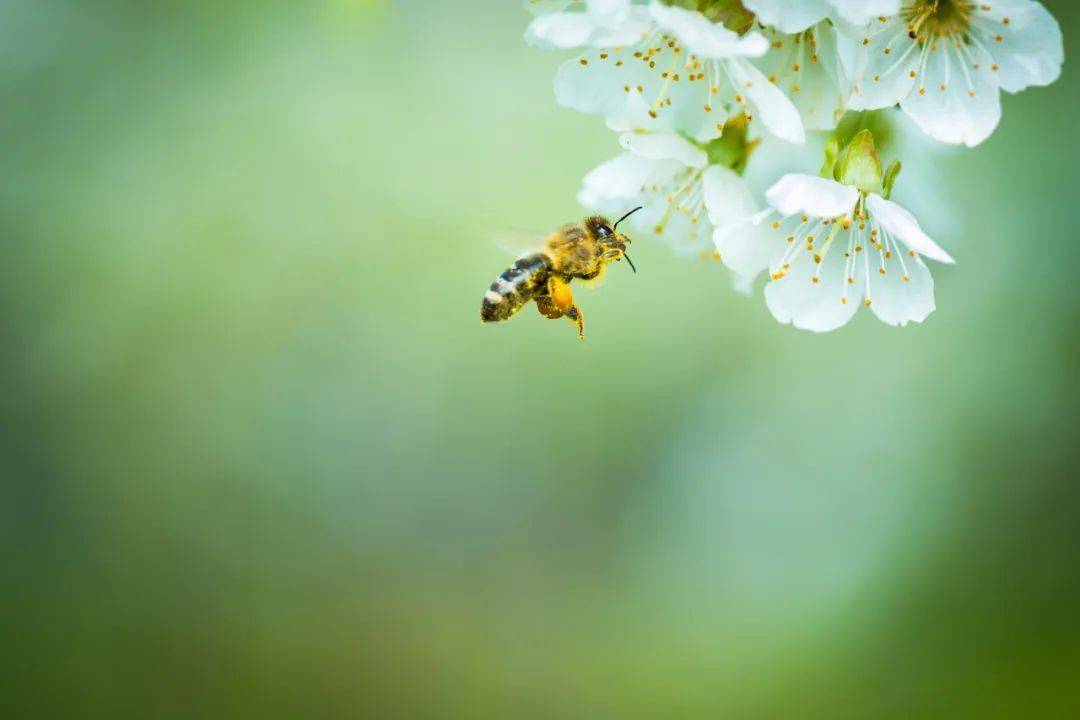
(516, 286)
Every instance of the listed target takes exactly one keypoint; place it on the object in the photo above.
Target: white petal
(727, 197)
(860, 12)
(705, 38)
(749, 246)
(897, 301)
(1030, 51)
(816, 84)
(596, 87)
(820, 306)
(743, 284)
(664, 146)
(882, 70)
(623, 177)
(789, 16)
(952, 106)
(773, 108)
(816, 196)
(611, 22)
(901, 224)
(559, 30)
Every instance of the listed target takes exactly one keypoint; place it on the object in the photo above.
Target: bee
(580, 251)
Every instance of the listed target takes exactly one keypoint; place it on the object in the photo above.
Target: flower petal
(820, 197)
(591, 86)
(705, 38)
(955, 103)
(623, 177)
(884, 67)
(748, 246)
(901, 224)
(898, 301)
(726, 195)
(814, 84)
(820, 306)
(664, 146)
(1030, 51)
(777, 113)
(789, 16)
(861, 12)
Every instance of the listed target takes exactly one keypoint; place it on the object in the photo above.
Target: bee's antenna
(630, 261)
(616, 225)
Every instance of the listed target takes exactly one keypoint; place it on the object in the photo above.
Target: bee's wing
(516, 242)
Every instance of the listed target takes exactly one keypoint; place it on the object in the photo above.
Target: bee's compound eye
(603, 231)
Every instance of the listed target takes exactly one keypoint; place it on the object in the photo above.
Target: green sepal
(832, 151)
(858, 164)
(731, 13)
(733, 148)
(890, 177)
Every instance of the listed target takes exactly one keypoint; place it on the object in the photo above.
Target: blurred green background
(259, 458)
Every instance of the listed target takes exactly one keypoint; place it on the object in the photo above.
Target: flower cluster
(694, 87)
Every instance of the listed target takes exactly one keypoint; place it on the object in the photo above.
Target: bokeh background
(259, 458)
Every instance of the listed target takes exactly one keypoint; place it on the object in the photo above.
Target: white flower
(792, 16)
(603, 22)
(683, 194)
(682, 73)
(945, 61)
(829, 247)
(806, 66)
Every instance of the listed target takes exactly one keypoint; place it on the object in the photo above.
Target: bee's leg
(560, 293)
(547, 307)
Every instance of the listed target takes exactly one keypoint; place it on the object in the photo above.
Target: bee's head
(607, 232)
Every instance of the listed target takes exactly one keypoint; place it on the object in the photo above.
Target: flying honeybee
(580, 251)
